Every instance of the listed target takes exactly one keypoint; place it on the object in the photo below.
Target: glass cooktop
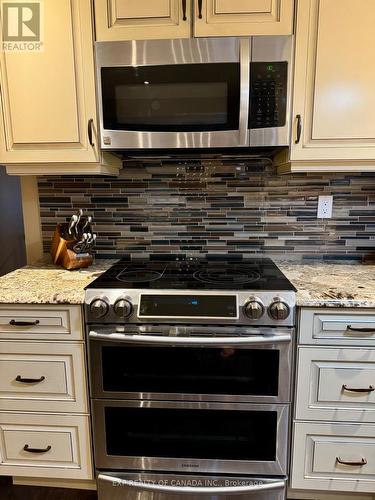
(251, 274)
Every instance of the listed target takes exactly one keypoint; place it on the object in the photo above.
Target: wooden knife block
(62, 251)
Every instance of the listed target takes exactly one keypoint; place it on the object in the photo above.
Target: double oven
(195, 409)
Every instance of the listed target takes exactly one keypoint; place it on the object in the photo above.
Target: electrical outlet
(325, 204)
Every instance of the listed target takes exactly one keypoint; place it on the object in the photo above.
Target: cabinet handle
(13, 322)
(184, 10)
(363, 330)
(29, 380)
(36, 450)
(89, 131)
(200, 9)
(299, 129)
(370, 388)
(354, 464)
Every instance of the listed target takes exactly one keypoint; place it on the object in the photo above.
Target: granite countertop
(332, 285)
(48, 284)
(318, 284)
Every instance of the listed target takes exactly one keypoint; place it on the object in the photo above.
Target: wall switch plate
(325, 204)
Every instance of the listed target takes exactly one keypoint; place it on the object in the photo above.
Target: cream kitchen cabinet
(334, 97)
(48, 103)
(333, 429)
(142, 19)
(44, 408)
(243, 17)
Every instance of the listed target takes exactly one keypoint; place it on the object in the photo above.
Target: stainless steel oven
(142, 486)
(191, 363)
(234, 438)
(194, 93)
(190, 385)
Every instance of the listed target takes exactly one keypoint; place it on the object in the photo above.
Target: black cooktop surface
(251, 274)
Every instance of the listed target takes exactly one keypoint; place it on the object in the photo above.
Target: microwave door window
(191, 97)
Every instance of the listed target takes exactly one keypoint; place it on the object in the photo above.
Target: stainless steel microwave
(194, 93)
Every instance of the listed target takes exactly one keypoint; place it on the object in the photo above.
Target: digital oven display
(212, 306)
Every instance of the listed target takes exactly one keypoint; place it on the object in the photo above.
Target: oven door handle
(214, 490)
(201, 341)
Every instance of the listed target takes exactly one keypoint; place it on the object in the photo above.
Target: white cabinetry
(334, 427)
(333, 99)
(143, 19)
(44, 409)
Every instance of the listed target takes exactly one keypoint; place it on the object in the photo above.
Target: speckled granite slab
(48, 284)
(332, 285)
(318, 284)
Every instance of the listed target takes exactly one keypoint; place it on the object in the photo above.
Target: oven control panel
(268, 94)
(242, 308)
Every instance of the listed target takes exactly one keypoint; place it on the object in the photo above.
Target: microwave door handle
(201, 341)
(213, 490)
(245, 58)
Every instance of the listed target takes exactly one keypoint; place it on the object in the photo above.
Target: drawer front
(48, 376)
(318, 450)
(33, 322)
(45, 446)
(336, 384)
(337, 326)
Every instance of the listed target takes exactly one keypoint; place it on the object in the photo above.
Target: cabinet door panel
(141, 19)
(318, 449)
(244, 17)
(334, 75)
(49, 96)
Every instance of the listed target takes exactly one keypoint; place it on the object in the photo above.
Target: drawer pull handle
(370, 388)
(13, 322)
(30, 380)
(360, 330)
(354, 464)
(36, 450)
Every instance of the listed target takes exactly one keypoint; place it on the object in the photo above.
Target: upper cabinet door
(334, 81)
(243, 17)
(48, 96)
(142, 19)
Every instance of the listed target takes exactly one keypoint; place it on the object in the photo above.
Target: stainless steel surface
(267, 298)
(196, 341)
(133, 486)
(105, 461)
(184, 334)
(166, 52)
(193, 51)
(270, 49)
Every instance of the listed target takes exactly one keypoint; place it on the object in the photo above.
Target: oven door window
(190, 370)
(190, 433)
(181, 97)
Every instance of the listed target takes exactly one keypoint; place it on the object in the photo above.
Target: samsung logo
(186, 466)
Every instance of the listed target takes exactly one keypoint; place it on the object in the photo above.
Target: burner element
(220, 276)
(139, 275)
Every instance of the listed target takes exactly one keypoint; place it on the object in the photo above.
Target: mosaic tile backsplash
(237, 208)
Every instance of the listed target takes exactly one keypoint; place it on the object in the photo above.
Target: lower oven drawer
(191, 437)
(127, 486)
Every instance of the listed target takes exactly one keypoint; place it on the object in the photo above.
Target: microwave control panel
(268, 94)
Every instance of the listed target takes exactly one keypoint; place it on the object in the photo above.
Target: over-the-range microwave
(194, 93)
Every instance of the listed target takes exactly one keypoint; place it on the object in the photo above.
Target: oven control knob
(279, 310)
(99, 308)
(123, 308)
(254, 309)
